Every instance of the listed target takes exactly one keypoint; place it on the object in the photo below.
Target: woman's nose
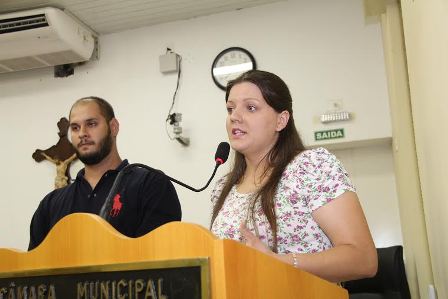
(235, 115)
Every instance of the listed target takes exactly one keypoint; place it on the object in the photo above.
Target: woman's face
(252, 125)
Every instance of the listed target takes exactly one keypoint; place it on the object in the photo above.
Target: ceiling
(108, 16)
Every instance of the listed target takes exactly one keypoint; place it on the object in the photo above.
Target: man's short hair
(105, 108)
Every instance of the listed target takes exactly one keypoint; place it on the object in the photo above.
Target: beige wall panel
(426, 38)
(415, 242)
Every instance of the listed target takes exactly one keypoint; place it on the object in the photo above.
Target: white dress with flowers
(314, 178)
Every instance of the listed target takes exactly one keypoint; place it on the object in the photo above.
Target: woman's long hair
(288, 145)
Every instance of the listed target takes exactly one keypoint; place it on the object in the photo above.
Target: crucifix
(62, 154)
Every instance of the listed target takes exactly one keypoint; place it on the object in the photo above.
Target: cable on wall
(170, 62)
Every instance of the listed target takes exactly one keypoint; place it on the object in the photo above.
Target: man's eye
(74, 129)
(251, 108)
(229, 109)
(91, 124)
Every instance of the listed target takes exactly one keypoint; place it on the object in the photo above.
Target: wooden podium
(85, 243)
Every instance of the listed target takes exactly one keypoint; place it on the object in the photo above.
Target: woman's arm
(353, 255)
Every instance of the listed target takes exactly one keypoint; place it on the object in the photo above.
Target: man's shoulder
(58, 194)
(148, 172)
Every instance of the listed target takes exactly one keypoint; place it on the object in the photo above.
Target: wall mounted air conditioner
(42, 37)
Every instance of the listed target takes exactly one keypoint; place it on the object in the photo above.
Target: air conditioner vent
(43, 37)
(58, 58)
(23, 23)
(19, 64)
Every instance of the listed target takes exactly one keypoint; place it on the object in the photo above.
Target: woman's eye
(251, 108)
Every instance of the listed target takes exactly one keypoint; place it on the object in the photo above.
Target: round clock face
(231, 63)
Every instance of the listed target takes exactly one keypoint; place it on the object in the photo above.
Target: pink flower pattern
(314, 178)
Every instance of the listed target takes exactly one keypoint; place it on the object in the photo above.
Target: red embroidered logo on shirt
(116, 206)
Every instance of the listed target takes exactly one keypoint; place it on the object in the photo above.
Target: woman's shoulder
(320, 175)
(313, 159)
(315, 153)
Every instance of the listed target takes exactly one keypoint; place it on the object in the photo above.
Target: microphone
(221, 155)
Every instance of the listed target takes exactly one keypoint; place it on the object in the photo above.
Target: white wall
(322, 49)
(372, 172)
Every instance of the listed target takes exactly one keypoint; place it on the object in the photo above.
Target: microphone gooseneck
(222, 153)
(191, 188)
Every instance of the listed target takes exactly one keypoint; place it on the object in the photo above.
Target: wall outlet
(169, 62)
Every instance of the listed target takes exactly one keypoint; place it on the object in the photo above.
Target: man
(146, 199)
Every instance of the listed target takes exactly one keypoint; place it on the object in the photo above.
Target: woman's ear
(114, 127)
(282, 120)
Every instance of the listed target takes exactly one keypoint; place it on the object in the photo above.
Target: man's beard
(105, 147)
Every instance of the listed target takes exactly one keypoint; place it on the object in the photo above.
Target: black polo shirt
(145, 200)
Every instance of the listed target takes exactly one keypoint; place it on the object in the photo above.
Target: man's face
(90, 133)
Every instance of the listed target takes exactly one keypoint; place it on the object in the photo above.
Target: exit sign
(329, 134)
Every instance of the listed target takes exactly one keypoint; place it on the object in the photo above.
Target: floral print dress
(314, 178)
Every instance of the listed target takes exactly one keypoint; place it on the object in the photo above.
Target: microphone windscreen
(222, 152)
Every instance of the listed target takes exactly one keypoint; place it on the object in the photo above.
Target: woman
(294, 204)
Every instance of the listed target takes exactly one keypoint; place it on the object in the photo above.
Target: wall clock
(231, 63)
